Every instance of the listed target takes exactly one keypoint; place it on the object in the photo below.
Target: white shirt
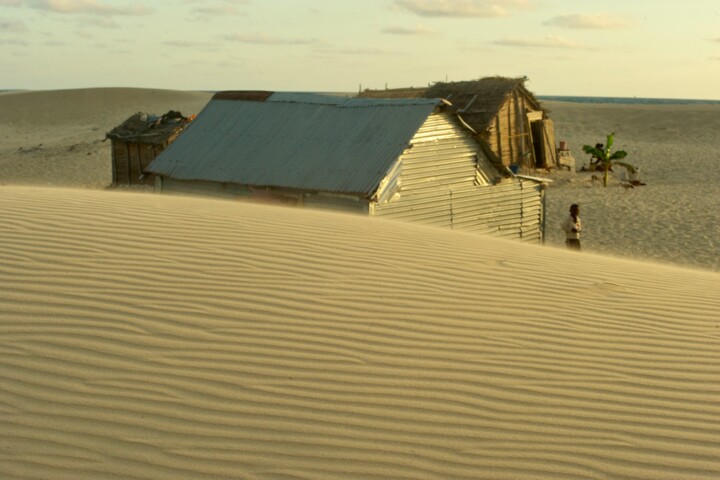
(571, 224)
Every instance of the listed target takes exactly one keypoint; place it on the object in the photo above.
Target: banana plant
(608, 158)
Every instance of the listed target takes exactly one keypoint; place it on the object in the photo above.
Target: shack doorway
(538, 139)
(542, 139)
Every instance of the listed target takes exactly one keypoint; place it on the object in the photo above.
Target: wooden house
(406, 159)
(138, 140)
(502, 111)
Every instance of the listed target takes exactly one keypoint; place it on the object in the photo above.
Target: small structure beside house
(503, 112)
(407, 159)
(138, 140)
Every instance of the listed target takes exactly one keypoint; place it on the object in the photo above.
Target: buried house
(505, 114)
(138, 140)
(407, 159)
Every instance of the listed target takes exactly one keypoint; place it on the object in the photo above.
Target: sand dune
(156, 337)
(108, 106)
(56, 137)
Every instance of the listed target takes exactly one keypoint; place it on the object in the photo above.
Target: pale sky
(643, 48)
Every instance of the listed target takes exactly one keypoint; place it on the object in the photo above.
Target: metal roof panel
(298, 141)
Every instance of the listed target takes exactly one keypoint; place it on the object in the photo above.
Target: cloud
(216, 2)
(263, 39)
(12, 42)
(359, 51)
(87, 7)
(417, 30)
(12, 26)
(342, 53)
(219, 10)
(180, 43)
(102, 23)
(596, 21)
(206, 46)
(549, 41)
(457, 8)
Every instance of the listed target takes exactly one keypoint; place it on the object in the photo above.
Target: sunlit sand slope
(155, 337)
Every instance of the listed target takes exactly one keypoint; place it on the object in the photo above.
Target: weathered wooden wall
(129, 161)
(509, 134)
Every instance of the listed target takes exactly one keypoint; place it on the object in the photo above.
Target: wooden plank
(499, 151)
(127, 152)
(139, 165)
(549, 141)
(532, 144)
(114, 163)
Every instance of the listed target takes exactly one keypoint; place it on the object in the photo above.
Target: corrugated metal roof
(300, 141)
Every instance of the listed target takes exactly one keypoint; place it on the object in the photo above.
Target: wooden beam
(139, 163)
(127, 152)
(114, 162)
(532, 144)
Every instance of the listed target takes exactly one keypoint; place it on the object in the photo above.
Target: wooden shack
(138, 140)
(502, 111)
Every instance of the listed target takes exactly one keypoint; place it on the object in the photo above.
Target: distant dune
(56, 137)
(154, 337)
(104, 105)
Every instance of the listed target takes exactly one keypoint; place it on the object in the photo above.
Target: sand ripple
(165, 337)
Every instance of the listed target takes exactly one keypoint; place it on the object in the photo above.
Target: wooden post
(511, 147)
(499, 139)
(127, 152)
(139, 163)
(532, 143)
(519, 113)
(114, 162)
(549, 145)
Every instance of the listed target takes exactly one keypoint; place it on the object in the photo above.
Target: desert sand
(150, 337)
(675, 217)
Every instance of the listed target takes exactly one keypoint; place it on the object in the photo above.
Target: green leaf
(630, 168)
(618, 155)
(590, 150)
(608, 159)
(610, 141)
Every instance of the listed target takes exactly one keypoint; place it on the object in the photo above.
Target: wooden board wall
(130, 159)
(509, 134)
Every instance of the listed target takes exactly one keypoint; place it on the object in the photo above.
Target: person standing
(572, 227)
